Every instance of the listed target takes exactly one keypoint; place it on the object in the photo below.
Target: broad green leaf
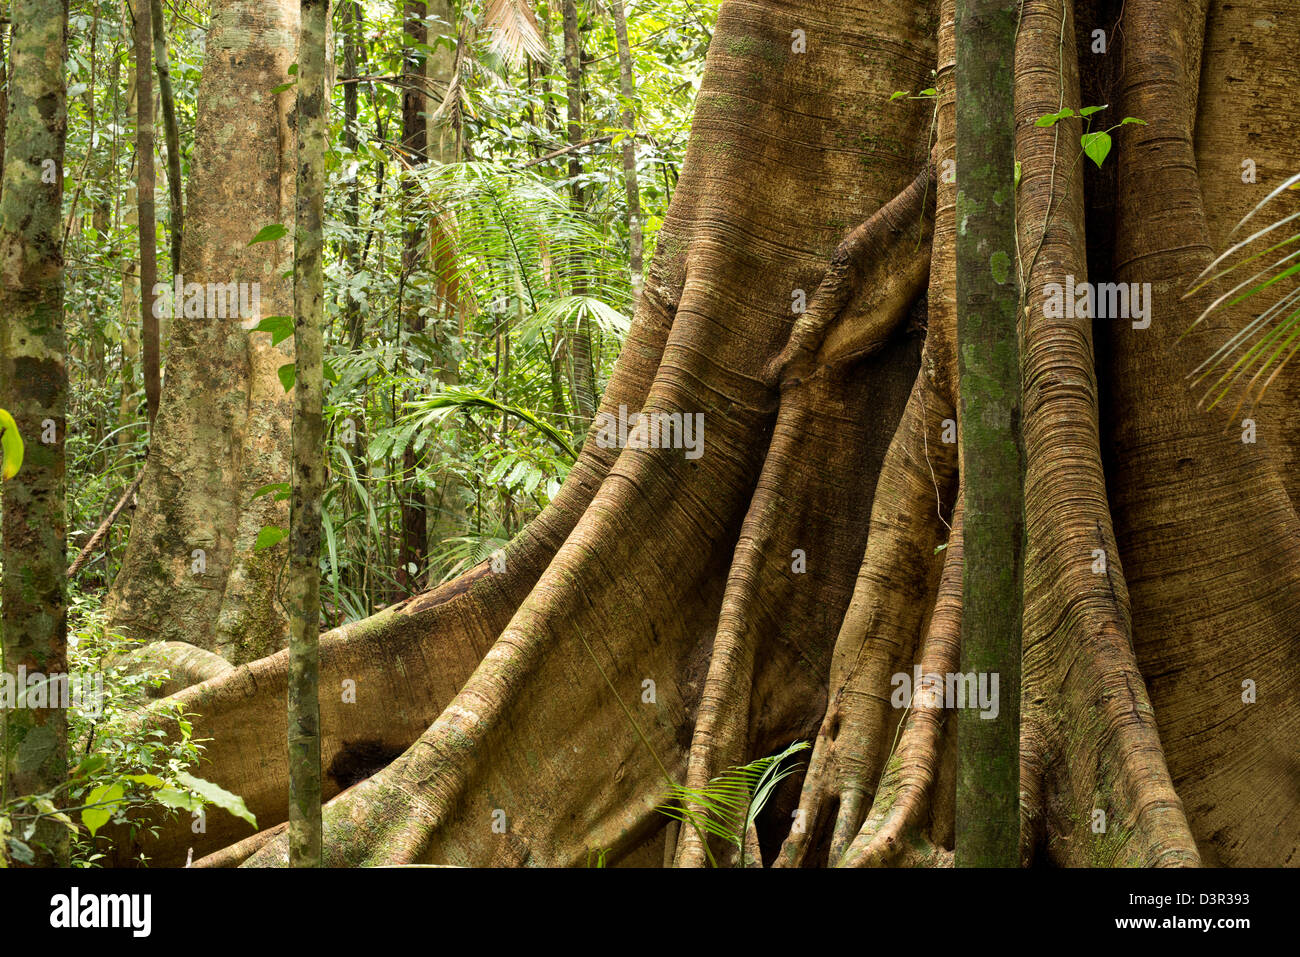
(215, 794)
(182, 800)
(1089, 110)
(11, 445)
(269, 536)
(280, 328)
(269, 234)
(1132, 119)
(288, 374)
(897, 95)
(1096, 145)
(281, 490)
(102, 802)
(149, 780)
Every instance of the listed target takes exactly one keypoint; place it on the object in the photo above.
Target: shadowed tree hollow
(670, 616)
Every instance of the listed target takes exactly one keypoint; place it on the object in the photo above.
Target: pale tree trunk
(34, 391)
(673, 616)
(223, 426)
(308, 483)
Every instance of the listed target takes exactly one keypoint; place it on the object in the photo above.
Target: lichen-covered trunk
(308, 473)
(34, 392)
(671, 614)
(190, 573)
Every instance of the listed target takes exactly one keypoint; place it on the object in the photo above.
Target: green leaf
(281, 490)
(11, 445)
(269, 536)
(90, 765)
(215, 794)
(103, 801)
(284, 86)
(288, 374)
(897, 95)
(269, 234)
(1132, 119)
(1051, 119)
(280, 328)
(149, 780)
(1017, 177)
(930, 92)
(1089, 110)
(1096, 145)
(171, 797)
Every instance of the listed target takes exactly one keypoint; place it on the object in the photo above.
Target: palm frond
(730, 803)
(1255, 354)
(428, 411)
(515, 31)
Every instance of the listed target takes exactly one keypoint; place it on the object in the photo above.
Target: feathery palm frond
(515, 31)
(429, 411)
(732, 801)
(1257, 346)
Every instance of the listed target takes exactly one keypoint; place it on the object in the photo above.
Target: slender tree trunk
(444, 501)
(308, 484)
(352, 41)
(581, 377)
(412, 555)
(33, 389)
(627, 86)
(144, 135)
(988, 749)
(129, 308)
(175, 188)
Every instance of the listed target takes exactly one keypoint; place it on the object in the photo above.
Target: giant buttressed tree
(668, 616)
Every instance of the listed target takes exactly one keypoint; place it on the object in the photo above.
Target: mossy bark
(991, 463)
(34, 390)
(308, 483)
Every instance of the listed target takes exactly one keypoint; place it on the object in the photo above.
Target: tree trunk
(412, 555)
(673, 616)
(144, 181)
(627, 87)
(988, 364)
(308, 483)
(223, 427)
(34, 391)
(170, 131)
(578, 347)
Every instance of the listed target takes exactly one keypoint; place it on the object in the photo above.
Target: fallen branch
(83, 556)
